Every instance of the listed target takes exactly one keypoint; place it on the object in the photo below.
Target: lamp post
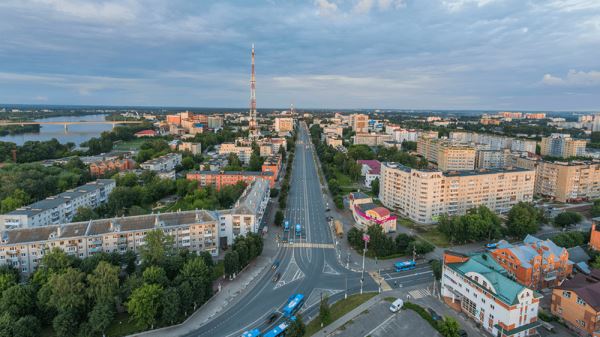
(366, 239)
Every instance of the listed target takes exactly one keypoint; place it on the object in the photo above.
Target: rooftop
(374, 165)
(57, 200)
(586, 287)
(250, 201)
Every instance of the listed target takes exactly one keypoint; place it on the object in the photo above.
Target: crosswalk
(419, 293)
(309, 245)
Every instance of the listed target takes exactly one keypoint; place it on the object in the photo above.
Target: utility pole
(346, 289)
(362, 274)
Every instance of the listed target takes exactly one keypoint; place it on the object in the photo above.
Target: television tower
(253, 125)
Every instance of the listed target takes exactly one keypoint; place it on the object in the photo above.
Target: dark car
(434, 315)
(276, 277)
(327, 209)
(272, 317)
(275, 265)
(462, 333)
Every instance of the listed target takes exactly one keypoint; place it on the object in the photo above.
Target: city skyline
(447, 54)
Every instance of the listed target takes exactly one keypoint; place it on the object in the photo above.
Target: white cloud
(458, 5)
(571, 5)
(365, 6)
(574, 78)
(326, 8)
(88, 10)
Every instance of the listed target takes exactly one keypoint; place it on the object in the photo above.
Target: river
(75, 133)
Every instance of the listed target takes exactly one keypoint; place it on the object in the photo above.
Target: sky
(380, 54)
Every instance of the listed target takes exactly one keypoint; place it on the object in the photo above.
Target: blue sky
(407, 54)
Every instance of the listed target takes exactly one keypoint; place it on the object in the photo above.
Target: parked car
(276, 277)
(396, 305)
(434, 315)
(462, 333)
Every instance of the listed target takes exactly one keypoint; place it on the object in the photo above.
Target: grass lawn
(428, 232)
(339, 309)
(133, 144)
(121, 326)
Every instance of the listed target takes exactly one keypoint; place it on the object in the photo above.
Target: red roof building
(146, 133)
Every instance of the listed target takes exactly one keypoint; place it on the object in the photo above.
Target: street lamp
(366, 239)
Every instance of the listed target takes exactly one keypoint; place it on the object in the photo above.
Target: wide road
(308, 261)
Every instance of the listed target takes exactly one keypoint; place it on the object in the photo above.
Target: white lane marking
(380, 325)
(410, 275)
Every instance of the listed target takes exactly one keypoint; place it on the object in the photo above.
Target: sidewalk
(232, 292)
(349, 316)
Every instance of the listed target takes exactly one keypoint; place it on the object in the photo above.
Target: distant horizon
(96, 106)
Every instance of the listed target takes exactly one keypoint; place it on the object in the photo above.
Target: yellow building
(565, 182)
(284, 124)
(562, 145)
(424, 195)
(371, 139)
(360, 123)
(449, 157)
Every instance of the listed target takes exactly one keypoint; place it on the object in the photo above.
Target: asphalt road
(308, 264)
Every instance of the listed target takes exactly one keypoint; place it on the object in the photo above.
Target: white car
(396, 305)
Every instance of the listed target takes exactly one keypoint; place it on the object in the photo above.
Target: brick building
(100, 168)
(577, 302)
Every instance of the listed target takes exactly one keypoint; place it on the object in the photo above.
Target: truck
(298, 229)
(339, 228)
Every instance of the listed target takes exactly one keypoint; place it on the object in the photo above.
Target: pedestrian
(395, 284)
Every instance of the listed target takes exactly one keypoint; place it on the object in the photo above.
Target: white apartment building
(247, 213)
(24, 248)
(491, 159)
(165, 163)
(194, 148)
(424, 195)
(480, 288)
(243, 152)
(494, 142)
(59, 208)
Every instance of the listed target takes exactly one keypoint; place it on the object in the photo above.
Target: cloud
(571, 5)
(326, 8)
(365, 6)
(121, 11)
(574, 78)
(458, 5)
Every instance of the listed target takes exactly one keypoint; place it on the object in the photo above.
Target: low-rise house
(370, 169)
(480, 287)
(165, 163)
(595, 235)
(218, 179)
(577, 302)
(113, 165)
(536, 263)
(146, 133)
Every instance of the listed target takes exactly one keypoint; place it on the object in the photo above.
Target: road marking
(380, 325)
(309, 245)
(419, 293)
(380, 280)
(410, 275)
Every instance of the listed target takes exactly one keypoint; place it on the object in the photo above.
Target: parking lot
(379, 321)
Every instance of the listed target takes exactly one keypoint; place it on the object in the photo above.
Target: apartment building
(333, 140)
(370, 169)
(494, 142)
(565, 181)
(272, 164)
(491, 159)
(193, 148)
(112, 165)
(577, 303)
(480, 288)
(538, 115)
(59, 208)
(24, 248)
(336, 130)
(218, 179)
(536, 264)
(562, 145)
(510, 114)
(243, 152)
(367, 214)
(371, 139)
(165, 163)
(424, 195)
(360, 123)
(215, 122)
(447, 156)
(246, 215)
(284, 124)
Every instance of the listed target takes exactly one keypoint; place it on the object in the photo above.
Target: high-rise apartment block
(448, 156)
(360, 123)
(371, 139)
(562, 145)
(424, 195)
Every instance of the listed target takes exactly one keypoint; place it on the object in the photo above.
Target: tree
(436, 266)
(596, 263)
(101, 316)
(449, 327)
(17, 199)
(296, 328)
(324, 311)
(231, 263)
(171, 306)
(27, 326)
(279, 217)
(18, 300)
(157, 247)
(144, 305)
(187, 163)
(66, 291)
(199, 276)
(66, 323)
(155, 275)
(255, 163)
(570, 239)
(103, 283)
(567, 218)
(375, 186)
(523, 218)
(85, 214)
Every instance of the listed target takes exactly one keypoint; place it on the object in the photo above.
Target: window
(580, 301)
(566, 294)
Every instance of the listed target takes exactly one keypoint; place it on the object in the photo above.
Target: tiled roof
(374, 165)
(585, 286)
(381, 211)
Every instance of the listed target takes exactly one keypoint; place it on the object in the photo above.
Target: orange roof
(381, 211)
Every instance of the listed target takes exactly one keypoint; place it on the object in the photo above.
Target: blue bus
(298, 229)
(286, 226)
(406, 265)
(293, 304)
(251, 333)
(280, 329)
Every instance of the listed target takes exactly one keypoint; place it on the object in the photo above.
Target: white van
(396, 305)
